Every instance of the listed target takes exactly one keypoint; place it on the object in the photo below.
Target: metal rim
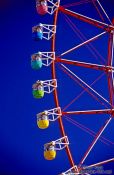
(56, 93)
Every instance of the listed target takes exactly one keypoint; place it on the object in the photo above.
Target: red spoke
(102, 111)
(84, 64)
(86, 19)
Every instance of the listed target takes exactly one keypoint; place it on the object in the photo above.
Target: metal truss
(58, 144)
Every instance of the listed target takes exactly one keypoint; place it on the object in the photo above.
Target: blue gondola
(37, 33)
(36, 61)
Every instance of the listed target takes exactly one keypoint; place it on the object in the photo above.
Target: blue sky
(21, 147)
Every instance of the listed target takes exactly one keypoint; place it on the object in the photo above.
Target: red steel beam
(102, 111)
(86, 65)
(83, 18)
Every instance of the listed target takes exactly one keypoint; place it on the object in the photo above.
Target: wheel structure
(50, 58)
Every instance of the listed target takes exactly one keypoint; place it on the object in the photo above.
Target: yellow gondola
(43, 121)
(49, 152)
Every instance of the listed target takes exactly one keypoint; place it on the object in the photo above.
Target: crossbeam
(102, 111)
(86, 65)
(86, 19)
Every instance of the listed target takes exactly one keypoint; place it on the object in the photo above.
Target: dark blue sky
(21, 142)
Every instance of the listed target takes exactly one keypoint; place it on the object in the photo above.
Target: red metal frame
(102, 111)
(56, 95)
(86, 65)
(107, 28)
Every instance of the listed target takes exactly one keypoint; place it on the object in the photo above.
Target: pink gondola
(41, 7)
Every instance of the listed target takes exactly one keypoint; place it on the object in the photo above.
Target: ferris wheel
(49, 58)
